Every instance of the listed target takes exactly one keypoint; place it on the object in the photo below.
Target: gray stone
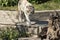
(29, 38)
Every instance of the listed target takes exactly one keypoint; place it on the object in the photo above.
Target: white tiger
(25, 8)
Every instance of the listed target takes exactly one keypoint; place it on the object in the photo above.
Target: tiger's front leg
(28, 22)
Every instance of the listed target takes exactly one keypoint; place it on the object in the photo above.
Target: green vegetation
(50, 5)
(8, 34)
(8, 2)
(8, 8)
(38, 4)
(11, 33)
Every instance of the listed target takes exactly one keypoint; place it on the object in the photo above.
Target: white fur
(22, 6)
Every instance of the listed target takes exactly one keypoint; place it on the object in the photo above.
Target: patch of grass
(8, 8)
(47, 6)
(50, 5)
